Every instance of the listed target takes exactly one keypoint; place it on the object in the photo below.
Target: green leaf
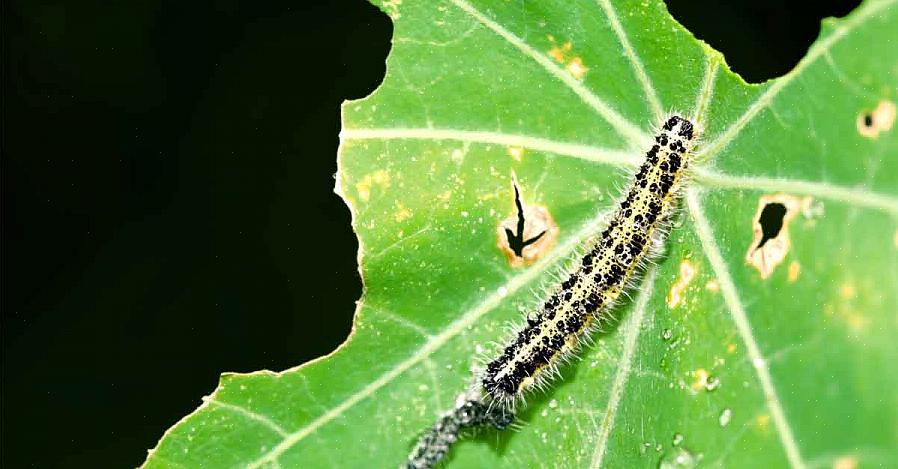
(710, 363)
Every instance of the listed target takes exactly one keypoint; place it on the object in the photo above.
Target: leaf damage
(771, 242)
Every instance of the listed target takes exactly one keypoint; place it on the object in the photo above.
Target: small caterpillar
(468, 413)
(588, 292)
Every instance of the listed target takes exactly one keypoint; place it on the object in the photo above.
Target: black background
(167, 211)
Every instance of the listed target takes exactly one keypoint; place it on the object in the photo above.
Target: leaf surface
(710, 362)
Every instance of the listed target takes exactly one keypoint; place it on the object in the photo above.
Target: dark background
(167, 174)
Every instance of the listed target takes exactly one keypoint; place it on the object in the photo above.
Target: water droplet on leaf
(678, 458)
(677, 439)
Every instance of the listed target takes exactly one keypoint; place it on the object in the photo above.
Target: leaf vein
(402, 321)
(737, 312)
(265, 421)
(589, 153)
(847, 195)
(624, 127)
(703, 99)
(623, 370)
(704, 177)
(651, 96)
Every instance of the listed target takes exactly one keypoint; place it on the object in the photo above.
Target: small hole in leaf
(516, 240)
(872, 123)
(526, 235)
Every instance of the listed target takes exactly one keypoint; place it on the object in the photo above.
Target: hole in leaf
(528, 234)
(771, 221)
(871, 123)
(771, 243)
(516, 239)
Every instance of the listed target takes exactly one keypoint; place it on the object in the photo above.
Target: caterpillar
(588, 292)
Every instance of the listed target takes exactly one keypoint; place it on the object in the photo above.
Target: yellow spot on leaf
(576, 68)
(562, 54)
(845, 309)
(847, 291)
(845, 462)
(794, 271)
(762, 422)
(556, 54)
(687, 273)
(731, 348)
(712, 286)
(559, 53)
(380, 178)
(856, 321)
(701, 376)
(402, 213)
(516, 153)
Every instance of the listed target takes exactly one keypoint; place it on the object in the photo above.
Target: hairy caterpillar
(589, 291)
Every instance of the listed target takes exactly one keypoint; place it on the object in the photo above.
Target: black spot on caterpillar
(587, 293)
